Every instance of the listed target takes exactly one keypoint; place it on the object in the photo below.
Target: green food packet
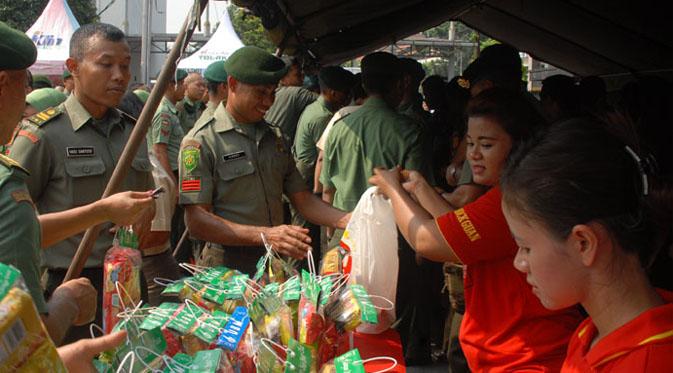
(181, 363)
(185, 319)
(299, 358)
(350, 362)
(159, 316)
(174, 288)
(209, 328)
(207, 361)
(292, 289)
(310, 287)
(369, 314)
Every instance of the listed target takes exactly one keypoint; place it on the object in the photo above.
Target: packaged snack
(211, 361)
(121, 277)
(25, 345)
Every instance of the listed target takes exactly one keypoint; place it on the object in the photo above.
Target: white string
(93, 327)
(161, 281)
(262, 340)
(381, 358)
(171, 363)
(311, 263)
(389, 308)
(133, 361)
(282, 286)
(192, 268)
(119, 287)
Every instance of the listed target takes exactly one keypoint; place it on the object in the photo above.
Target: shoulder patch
(45, 116)
(22, 195)
(10, 163)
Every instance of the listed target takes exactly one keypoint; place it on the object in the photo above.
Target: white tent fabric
(221, 45)
(51, 34)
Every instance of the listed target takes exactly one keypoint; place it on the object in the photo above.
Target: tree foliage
(249, 29)
(22, 14)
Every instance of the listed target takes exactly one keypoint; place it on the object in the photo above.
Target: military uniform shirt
(19, 228)
(372, 136)
(70, 158)
(290, 102)
(189, 112)
(166, 129)
(311, 125)
(209, 111)
(242, 170)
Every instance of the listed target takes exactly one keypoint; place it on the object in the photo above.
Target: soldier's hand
(289, 240)
(82, 294)
(126, 207)
(78, 356)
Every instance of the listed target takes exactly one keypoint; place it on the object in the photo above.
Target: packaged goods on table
(121, 276)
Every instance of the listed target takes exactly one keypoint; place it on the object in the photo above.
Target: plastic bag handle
(381, 358)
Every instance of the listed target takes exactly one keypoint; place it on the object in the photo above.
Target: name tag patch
(79, 151)
(233, 156)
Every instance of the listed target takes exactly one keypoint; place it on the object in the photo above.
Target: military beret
(253, 65)
(215, 72)
(180, 74)
(42, 81)
(496, 62)
(66, 74)
(142, 94)
(16, 48)
(44, 98)
(337, 78)
(413, 68)
(380, 63)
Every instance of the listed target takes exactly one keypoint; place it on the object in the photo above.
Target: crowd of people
(553, 216)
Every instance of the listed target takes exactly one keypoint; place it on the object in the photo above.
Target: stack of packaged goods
(277, 321)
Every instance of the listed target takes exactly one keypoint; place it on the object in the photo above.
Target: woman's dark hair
(512, 111)
(577, 172)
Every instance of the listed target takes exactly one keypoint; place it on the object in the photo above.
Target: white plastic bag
(371, 236)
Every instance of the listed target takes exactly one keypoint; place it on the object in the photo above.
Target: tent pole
(137, 135)
(145, 41)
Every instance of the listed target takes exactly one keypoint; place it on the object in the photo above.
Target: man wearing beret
(291, 100)
(216, 81)
(191, 106)
(335, 86)
(71, 150)
(42, 99)
(68, 82)
(235, 167)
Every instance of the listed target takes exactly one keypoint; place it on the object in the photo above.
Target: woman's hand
(412, 181)
(388, 181)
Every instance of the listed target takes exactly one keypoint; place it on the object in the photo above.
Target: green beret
(45, 98)
(337, 78)
(215, 72)
(380, 63)
(42, 81)
(66, 74)
(17, 50)
(253, 65)
(180, 74)
(142, 94)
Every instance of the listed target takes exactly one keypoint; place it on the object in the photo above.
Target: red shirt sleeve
(478, 232)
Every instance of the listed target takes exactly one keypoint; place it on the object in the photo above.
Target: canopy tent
(220, 46)
(600, 37)
(51, 34)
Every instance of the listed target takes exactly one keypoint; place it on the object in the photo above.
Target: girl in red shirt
(583, 215)
(505, 328)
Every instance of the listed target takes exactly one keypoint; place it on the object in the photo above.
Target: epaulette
(10, 163)
(45, 116)
(127, 116)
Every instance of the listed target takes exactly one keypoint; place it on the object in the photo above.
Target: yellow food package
(25, 345)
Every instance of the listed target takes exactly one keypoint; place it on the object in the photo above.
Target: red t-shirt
(505, 327)
(644, 344)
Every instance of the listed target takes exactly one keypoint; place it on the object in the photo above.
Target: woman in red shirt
(583, 215)
(505, 328)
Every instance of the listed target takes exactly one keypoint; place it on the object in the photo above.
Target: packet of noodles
(24, 342)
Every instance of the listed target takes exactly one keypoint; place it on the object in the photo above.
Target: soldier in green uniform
(22, 232)
(291, 100)
(216, 81)
(166, 134)
(42, 99)
(335, 86)
(191, 106)
(71, 150)
(374, 135)
(235, 168)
